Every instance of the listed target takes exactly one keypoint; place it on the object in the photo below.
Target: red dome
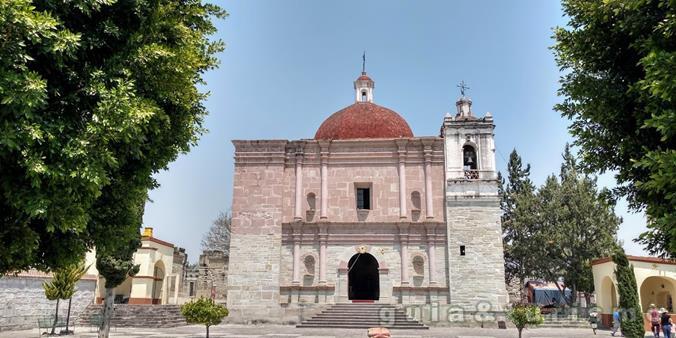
(363, 120)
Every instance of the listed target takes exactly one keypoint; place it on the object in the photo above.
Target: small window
(462, 250)
(363, 96)
(192, 289)
(364, 198)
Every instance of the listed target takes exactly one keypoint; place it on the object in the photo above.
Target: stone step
(131, 315)
(362, 316)
(361, 326)
(373, 323)
(351, 315)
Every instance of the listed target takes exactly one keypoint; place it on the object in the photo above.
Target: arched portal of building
(158, 276)
(659, 291)
(363, 278)
(609, 295)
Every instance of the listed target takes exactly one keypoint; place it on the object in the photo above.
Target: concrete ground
(280, 331)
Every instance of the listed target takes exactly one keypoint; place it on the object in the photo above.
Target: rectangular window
(364, 198)
(462, 250)
(192, 289)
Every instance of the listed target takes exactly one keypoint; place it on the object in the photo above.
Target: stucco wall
(651, 275)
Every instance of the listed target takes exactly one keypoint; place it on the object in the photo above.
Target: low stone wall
(23, 301)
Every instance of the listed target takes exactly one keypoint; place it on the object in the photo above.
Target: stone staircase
(361, 316)
(126, 315)
(566, 322)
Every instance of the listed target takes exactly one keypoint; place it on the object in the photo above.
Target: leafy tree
(579, 224)
(519, 222)
(204, 311)
(96, 96)
(120, 218)
(524, 315)
(54, 291)
(218, 237)
(92, 92)
(72, 274)
(619, 61)
(62, 286)
(53, 165)
(632, 318)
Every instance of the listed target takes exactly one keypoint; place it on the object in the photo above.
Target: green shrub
(632, 317)
(204, 311)
(523, 315)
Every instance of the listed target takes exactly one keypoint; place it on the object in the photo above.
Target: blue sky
(289, 64)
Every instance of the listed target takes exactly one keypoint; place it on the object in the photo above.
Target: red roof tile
(363, 120)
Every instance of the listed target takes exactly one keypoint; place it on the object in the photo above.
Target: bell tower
(363, 85)
(475, 251)
(470, 148)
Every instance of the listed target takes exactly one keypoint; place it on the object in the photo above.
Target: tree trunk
(207, 331)
(573, 292)
(104, 330)
(56, 317)
(520, 329)
(587, 298)
(68, 315)
(563, 292)
(522, 294)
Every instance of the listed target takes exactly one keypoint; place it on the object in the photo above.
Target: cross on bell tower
(464, 103)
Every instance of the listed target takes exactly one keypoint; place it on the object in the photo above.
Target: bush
(204, 311)
(523, 315)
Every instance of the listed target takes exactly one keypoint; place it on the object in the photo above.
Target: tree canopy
(95, 97)
(619, 88)
(578, 223)
(218, 237)
(204, 311)
(554, 232)
(518, 203)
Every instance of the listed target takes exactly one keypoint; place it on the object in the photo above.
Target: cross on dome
(364, 85)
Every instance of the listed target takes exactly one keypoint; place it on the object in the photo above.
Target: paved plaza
(280, 331)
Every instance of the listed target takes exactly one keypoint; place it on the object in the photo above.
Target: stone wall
(477, 278)
(23, 301)
(258, 188)
(382, 242)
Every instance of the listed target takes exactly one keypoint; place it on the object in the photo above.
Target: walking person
(594, 320)
(654, 320)
(616, 322)
(665, 320)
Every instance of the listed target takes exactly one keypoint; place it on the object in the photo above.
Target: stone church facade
(367, 212)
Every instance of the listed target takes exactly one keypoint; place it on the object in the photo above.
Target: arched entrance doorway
(659, 291)
(362, 277)
(158, 281)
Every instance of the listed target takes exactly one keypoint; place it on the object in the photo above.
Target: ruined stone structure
(366, 212)
(212, 275)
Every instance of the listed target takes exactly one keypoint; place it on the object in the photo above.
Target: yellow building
(655, 279)
(159, 278)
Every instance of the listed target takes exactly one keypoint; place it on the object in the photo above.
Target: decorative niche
(311, 207)
(418, 263)
(309, 265)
